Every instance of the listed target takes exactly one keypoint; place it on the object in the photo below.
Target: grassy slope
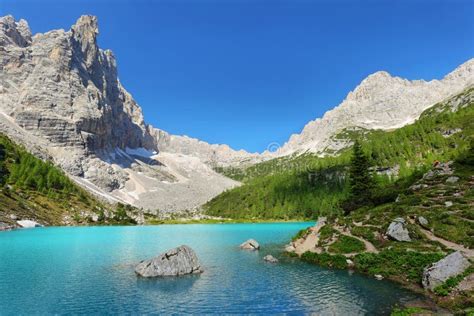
(33, 189)
(404, 261)
(310, 186)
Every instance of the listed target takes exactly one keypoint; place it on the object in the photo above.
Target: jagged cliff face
(60, 96)
(379, 102)
(62, 87)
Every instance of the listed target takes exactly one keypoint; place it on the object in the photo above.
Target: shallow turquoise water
(89, 270)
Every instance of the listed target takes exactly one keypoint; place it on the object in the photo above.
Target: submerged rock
(178, 261)
(398, 231)
(270, 258)
(450, 266)
(26, 223)
(250, 244)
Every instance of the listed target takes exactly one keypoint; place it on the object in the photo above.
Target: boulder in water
(178, 261)
(250, 244)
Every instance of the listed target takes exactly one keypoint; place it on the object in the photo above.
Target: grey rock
(5, 227)
(397, 230)
(13, 217)
(250, 244)
(452, 179)
(450, 266)
(423, 222)
(378, 277)
(26, 223)
(290, 248)
(350, 263)
(175, 262)
(417, 187)
(448, 203)
(270, 258)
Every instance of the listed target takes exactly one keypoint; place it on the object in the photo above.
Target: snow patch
(142, 152)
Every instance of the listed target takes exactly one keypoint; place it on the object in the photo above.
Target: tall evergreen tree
(360, 179)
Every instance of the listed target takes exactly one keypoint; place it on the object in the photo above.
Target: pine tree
(360, 180)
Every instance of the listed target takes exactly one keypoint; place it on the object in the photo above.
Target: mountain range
(61, 97)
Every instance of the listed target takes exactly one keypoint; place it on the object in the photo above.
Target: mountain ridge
(378, 92)
(60, 95)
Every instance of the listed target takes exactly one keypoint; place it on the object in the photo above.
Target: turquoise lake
(89, 270)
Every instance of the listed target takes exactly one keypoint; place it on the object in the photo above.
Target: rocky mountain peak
(380, 101)
(12, 32)
(84, 35)
(464, 72)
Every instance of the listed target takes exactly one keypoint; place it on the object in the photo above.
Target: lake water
(89, 270)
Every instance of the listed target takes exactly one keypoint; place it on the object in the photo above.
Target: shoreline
(224, 221)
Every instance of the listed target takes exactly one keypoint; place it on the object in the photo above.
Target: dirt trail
(310, 242)
(449, 244)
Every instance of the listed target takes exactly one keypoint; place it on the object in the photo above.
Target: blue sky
(249, 73)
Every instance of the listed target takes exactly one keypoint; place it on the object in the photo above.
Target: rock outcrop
(250, 244)
(175, 262)
(270, 258)
(450, 266)
(397, 230)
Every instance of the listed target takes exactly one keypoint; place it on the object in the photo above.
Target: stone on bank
(450, 266)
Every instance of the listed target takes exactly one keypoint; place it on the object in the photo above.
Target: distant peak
(86, 23)
(85, 32)
(464, 70)
(14, 32)
(376, 76)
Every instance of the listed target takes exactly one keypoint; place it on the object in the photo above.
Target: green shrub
(325, 260)
(347, 244)
(396, 263)
(445, 288)
(408, 311)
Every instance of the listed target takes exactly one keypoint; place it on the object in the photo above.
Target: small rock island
(175, 262)
(250, 244)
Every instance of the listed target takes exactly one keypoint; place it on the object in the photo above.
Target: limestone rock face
(250, 244)
(61, 97)
(178, 261)
(450, 266)
(397, 230)
(381, 101)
